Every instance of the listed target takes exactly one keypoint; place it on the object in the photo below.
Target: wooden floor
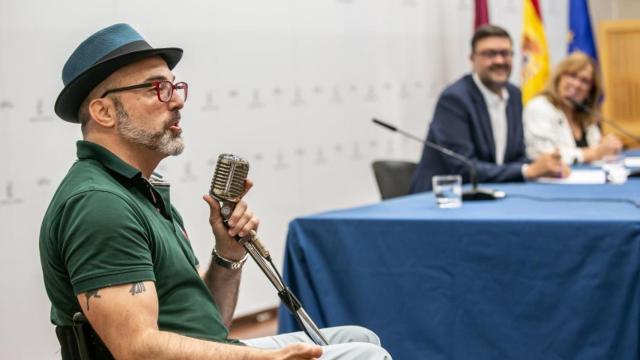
(263, 323)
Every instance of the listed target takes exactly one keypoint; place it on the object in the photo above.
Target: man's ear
(103, 112)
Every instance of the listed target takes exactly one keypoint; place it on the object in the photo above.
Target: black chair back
(80, 341)
(393, 177)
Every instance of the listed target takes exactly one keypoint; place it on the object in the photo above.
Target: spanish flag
(535, 52)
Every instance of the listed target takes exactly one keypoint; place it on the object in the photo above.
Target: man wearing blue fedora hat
(114, 248)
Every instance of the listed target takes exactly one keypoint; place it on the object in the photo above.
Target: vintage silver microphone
(227, 186)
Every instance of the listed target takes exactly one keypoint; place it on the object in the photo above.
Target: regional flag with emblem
(535, 52)
(580, 32)
(482, 14)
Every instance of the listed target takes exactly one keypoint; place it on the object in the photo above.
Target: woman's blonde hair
(575, 62)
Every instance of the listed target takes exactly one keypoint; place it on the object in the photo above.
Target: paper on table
(578, 177)
(632, 161)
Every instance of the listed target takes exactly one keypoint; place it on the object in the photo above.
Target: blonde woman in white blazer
(551, 121)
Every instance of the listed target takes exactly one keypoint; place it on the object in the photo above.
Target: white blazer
(547, 128)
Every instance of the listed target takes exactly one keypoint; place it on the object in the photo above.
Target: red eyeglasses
(164, 89)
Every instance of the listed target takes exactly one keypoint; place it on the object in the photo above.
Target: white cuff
(523, 169)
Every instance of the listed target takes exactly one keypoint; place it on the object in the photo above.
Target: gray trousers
(347, 342)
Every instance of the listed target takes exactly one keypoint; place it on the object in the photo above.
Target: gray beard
(163, 141)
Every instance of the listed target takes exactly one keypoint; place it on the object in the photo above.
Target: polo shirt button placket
(154, 201)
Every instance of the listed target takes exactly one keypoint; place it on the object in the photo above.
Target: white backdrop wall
(291, 85)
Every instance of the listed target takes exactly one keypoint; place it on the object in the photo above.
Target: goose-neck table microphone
(475, 193)
(582, 108)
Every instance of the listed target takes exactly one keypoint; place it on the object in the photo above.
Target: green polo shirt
(107, 225)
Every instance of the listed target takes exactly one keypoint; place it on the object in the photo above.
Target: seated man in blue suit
(480, 117)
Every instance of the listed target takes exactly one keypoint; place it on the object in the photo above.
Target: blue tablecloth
(518, 278)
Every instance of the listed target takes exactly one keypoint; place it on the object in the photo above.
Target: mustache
(500, 67)
(175, 117)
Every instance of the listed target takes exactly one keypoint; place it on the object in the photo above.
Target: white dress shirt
(547, 128)
(497, 107)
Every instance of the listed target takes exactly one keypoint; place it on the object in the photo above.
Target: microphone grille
(579, 106)
(228, 179)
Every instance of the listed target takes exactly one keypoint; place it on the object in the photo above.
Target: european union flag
(580, 34)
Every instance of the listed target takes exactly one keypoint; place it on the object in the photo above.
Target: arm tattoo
(137, 288)
(89, 294)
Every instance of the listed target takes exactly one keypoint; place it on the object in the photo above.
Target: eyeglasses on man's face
(492, 54)
(164, 89)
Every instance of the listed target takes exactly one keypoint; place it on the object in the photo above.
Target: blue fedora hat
(98, 57)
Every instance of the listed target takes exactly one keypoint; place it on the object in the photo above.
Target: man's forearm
(162, 345)
(223, 285)
(491, 172)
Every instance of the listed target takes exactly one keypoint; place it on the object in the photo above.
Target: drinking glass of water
(614, 169)
(448, 190)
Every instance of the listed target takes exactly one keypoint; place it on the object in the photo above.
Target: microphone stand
(259, 254)
(474, 193)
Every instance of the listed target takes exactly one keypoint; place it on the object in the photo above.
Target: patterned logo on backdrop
(368, 93)
(371, 94)
(258, 157)
(256, 103)
(404, 92)
(209, 102)
(40, 115)
(320, 158)
(9, 197)
(297, 97)
(43, 182)
(356, 154)
(336, 98)
(6, 104)
(187, 175)
(280, 163)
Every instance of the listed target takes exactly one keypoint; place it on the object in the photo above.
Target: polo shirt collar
(89, 150)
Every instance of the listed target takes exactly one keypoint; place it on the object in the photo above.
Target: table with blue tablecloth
(550, 272)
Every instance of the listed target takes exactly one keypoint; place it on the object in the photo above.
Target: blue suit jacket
(461, 123)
